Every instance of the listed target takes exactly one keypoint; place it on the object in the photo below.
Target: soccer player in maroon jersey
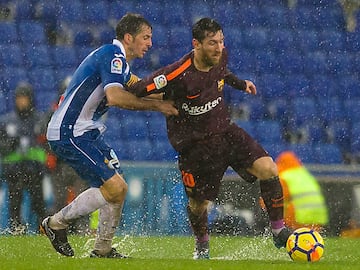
(205, 138)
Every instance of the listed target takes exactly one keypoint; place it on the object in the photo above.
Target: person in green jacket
(22, 157)
(304, 203)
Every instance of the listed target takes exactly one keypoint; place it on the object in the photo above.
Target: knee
(265, 168)
(114, 191)
(198, 207)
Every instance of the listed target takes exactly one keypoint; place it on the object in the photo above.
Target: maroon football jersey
(198, 96)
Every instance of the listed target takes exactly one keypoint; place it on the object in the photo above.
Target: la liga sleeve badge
(116, 65)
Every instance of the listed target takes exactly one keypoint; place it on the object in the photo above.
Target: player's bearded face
(212, 47)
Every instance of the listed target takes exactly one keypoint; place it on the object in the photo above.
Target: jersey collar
(119, 44)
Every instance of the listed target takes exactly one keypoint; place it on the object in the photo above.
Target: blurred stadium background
(304, 62)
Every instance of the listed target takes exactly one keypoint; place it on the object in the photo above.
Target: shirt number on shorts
(188, 179)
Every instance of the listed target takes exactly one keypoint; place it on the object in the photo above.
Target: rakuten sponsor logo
(197, 110)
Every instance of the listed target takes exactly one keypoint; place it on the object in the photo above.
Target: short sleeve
(113, 68)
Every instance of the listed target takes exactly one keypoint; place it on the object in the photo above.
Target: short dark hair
(205, 25)
(130, 23)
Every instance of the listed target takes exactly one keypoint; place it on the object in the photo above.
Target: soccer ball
(305, 244)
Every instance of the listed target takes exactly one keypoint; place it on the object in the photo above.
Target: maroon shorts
(204, 164)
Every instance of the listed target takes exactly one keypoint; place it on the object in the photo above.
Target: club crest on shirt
(116, 65)
(160, 81)
(221, 84)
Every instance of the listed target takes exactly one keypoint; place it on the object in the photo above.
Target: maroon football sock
(272, 194)
(199, 225)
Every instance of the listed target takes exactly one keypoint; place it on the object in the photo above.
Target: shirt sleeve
(114, 69)
(232, 80)
(161, 80)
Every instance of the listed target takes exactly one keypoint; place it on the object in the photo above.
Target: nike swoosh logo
(192, 97)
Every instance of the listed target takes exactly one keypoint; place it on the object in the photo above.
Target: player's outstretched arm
(244, 85)
(117, 96)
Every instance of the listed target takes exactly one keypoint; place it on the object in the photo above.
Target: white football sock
(84, 204)
(109, 218)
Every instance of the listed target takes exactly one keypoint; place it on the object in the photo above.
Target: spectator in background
(350, 9)
(304, 204)
(23, 156)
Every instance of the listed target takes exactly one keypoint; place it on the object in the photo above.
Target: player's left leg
(265, 169)
(198, 216)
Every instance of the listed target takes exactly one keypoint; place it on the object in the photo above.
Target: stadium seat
(47, 11)
(304, 17)
(8, 33)
(135, 127)
(352, 109)
(255, 106)
(255, 38)
(349, 86)
(352, 42)
(328, 154)
(250, 14)
(268, 131)
(38, 56)
(298, 85)
(177, 16)
(355, 139)
(280, 40)
(32, 32)
(11, 55)
(313, 132)
(157, 128)
(227, 13)
(64, 57)
(304, 110)
(61, 73)
(323, 86)
(71, 11)
(179, 36)
(105, 35)
(10, 78)
(96, 12)
(24, 10)
(331, 109)
(118, 9)
(305, 152)
(276, 16)
(3, 102)
(163, 151)
(275, 149)
(331, 40)
(339, 133)
(315, 63)
(152, 10)
(83, 51)
(198, 10)
(83, 38)
(278, 109)
(306, 40)
(292, 64)
(45, 87)
(139, 150)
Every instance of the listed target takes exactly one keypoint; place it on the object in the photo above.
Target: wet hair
(204, 26)
(130, 23)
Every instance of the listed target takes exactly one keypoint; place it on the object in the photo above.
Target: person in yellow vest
(304, 203)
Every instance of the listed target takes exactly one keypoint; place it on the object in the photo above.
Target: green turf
(35, 252)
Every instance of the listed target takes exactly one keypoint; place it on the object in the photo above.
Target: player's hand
(167, 107)
(250, 87)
